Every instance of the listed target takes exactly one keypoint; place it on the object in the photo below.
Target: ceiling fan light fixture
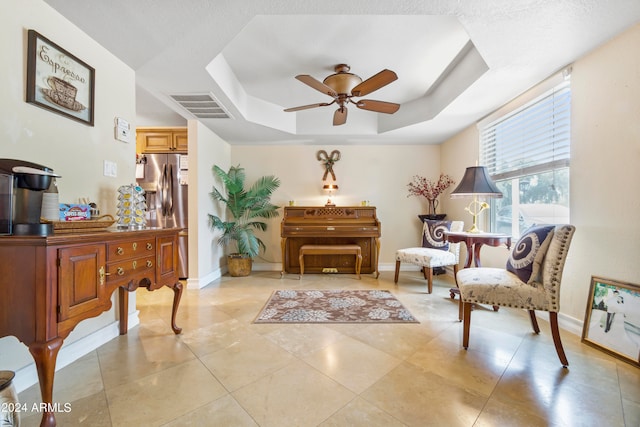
(342, 81)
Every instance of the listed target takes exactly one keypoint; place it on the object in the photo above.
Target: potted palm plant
(247, 208)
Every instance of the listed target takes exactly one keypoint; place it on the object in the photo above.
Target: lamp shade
(476, 182)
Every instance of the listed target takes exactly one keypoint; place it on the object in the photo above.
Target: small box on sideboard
(74, 212)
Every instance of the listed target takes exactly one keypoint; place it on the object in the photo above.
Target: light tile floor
(223, 370)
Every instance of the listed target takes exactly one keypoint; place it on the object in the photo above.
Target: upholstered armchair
(531, 280)
(435, 250)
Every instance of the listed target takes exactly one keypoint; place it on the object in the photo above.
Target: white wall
(605, 177)
(206, 257)
(74, 150)
(379, 174)
(605, 172)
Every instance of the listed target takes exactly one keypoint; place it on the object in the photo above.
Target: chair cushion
(527, 254)
(496, 286)
(426, 257)
(433, 234)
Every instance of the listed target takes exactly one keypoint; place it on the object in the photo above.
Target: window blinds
(532, 139)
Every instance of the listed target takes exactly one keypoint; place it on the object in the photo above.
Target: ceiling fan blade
(373, 83)
(306, 107)
(378, 106)
(340, 116)
(316, 84)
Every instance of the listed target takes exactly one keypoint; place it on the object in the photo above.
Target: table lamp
(475, 183)
(330, 188)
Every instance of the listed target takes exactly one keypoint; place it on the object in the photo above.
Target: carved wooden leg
(377, 255)
(283, 245)
(45, 355)
(177, 294)
(555, 332)
(123, 299)
(456, 290)
(534, 321)
(301, 262)
(395, 279)
(466, 322)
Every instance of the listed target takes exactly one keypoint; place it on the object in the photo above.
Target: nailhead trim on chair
(543, 295)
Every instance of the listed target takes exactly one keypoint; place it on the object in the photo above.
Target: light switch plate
(110, 169)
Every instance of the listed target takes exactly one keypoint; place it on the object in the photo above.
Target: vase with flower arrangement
(430, 190)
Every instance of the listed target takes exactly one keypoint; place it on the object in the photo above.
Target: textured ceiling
(456, 61)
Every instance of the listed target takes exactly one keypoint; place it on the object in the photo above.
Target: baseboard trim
(266, 266)
(566, 323)
(201, 282)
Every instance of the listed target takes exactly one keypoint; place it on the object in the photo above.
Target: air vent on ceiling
(202, 106)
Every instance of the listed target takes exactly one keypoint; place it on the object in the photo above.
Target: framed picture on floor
(612, 319)
(58, 81)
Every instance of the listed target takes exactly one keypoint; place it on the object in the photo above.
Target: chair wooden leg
(555, 332)
(395, 279)
(428, 271)
(534, 321)
(466, 322)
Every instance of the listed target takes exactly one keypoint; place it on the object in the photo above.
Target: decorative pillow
(433, 234)
(527, 255)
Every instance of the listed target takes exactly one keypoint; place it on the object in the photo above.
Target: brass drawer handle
(149, 246)
(135, 264)
(149, 263)
(120, 251)
(103, 273)
(135, 245)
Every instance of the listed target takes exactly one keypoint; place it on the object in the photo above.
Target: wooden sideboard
(50, 284)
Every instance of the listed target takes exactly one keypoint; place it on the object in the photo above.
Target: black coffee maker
(21, 186)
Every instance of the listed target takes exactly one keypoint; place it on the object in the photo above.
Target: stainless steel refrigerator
(164, 178)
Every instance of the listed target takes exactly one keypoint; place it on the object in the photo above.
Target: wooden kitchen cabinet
(161, 140)
(49, 284)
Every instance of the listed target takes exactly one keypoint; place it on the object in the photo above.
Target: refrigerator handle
(170, 191)
(162, 186)
(159, 193)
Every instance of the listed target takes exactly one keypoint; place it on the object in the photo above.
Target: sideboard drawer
(130, 249)
(130, 269)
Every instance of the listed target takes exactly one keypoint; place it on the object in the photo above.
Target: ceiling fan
(343, 86)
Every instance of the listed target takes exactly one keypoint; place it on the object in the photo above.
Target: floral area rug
(334, 306)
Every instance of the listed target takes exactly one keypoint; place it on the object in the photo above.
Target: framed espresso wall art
(58, 81)
(612, 319)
